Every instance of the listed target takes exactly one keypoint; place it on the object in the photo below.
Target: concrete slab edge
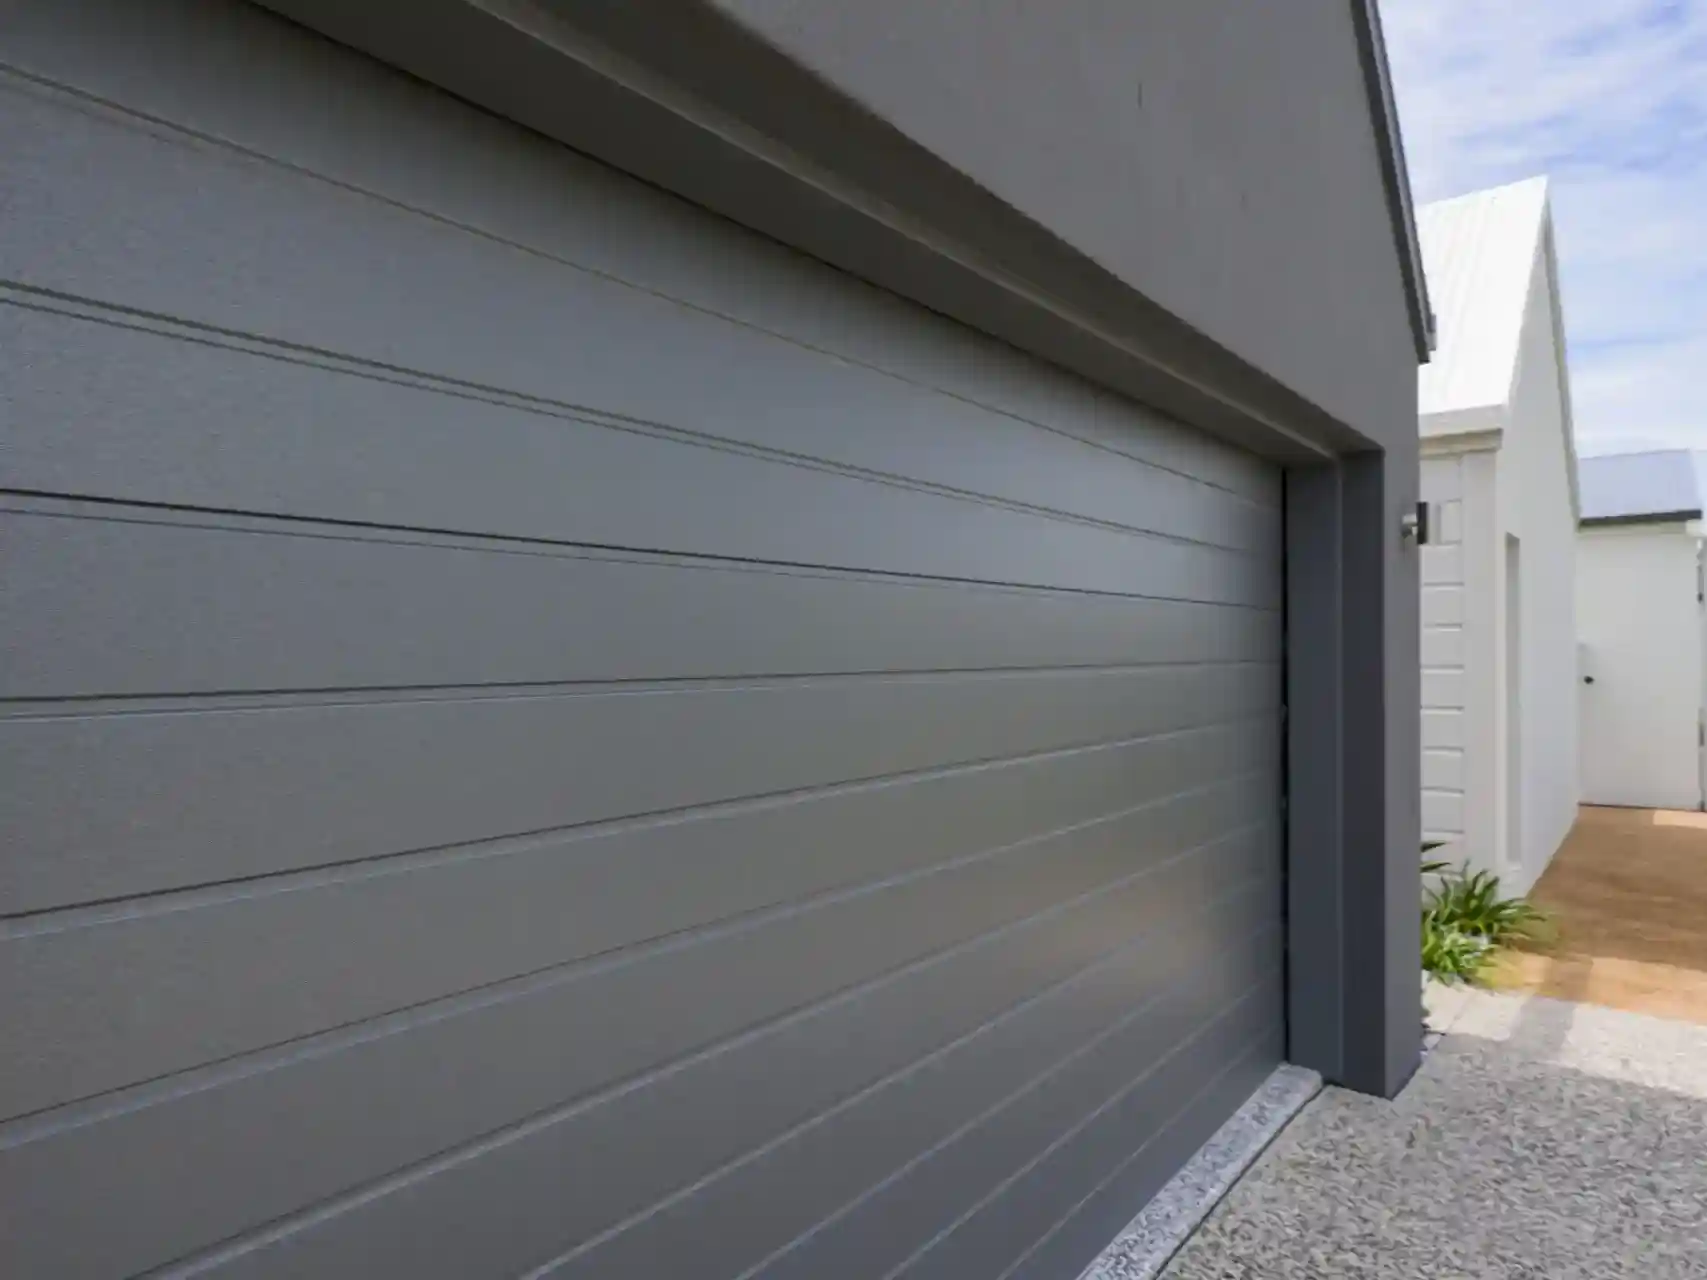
(1151, 1239)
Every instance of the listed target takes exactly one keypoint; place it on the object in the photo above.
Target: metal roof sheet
(1634, 486)
(1479, 252)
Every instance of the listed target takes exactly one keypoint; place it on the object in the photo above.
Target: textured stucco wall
(1219, 157)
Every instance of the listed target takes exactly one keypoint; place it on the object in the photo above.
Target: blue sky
(1609, 99)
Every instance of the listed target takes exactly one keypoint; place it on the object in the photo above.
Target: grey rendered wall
(492, 638)
(1353, 689)
(1217, 157)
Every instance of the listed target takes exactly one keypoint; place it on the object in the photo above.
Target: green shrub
(1465, 920)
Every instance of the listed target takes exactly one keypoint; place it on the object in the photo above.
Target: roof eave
(1642, 517)
(1464, 420)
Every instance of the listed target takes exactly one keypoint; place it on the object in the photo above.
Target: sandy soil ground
(1628, 897)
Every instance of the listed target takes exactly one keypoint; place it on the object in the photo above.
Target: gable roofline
(1561, 363)
(1384, 112)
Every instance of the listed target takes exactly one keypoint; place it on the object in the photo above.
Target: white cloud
(1609, 99)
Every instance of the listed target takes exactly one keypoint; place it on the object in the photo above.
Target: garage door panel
(166, 985)
(388, 136)
(524, 699)
(133, 567)
(124, 608)
(1139, 1175)
(107, 406)
(122, 803)
(885, 1171)
(400, 1091)
(902, 1216)
(580, 1178)
(269, 253)
(1054, 866)
(1200, 1055)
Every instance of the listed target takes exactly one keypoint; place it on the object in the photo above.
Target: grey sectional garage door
(547, 734)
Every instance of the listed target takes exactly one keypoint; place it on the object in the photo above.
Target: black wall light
(1414, 525)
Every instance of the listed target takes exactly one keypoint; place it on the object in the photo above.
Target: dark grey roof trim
(1644, 517)
(1383, 109)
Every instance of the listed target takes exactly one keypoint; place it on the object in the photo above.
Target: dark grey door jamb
(1353, 1005)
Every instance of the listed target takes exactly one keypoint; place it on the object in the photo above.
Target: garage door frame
(710, 112)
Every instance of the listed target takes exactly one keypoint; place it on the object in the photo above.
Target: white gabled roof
(1479, 252)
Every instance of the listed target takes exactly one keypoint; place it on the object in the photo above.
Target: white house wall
(1536, 507)
(1502, 789)
(1640, 625)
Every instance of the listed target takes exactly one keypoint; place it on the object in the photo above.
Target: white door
(1639, 617)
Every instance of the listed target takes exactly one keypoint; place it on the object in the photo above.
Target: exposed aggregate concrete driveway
(1540, 1139)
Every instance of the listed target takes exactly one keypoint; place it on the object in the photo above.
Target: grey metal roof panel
(1634, 486)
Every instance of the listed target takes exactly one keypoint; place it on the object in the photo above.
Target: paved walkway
(1628, 895)
(1540, 1140)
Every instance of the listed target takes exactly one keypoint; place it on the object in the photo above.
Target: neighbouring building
(710, 639)
(1639, 617)
(1499, 474)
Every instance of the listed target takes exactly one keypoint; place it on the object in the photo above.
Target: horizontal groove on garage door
(1215, 1071)
(520, 325)
(563, 214)
(968, 949)
(526, 697)
(874, 1130)
(416, 930)
(135, 608)
(99, 808)
(907, 1158)
(260, 419)
(1054, 866)
(1138, 1175)
(569, 209)
(641, 493)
